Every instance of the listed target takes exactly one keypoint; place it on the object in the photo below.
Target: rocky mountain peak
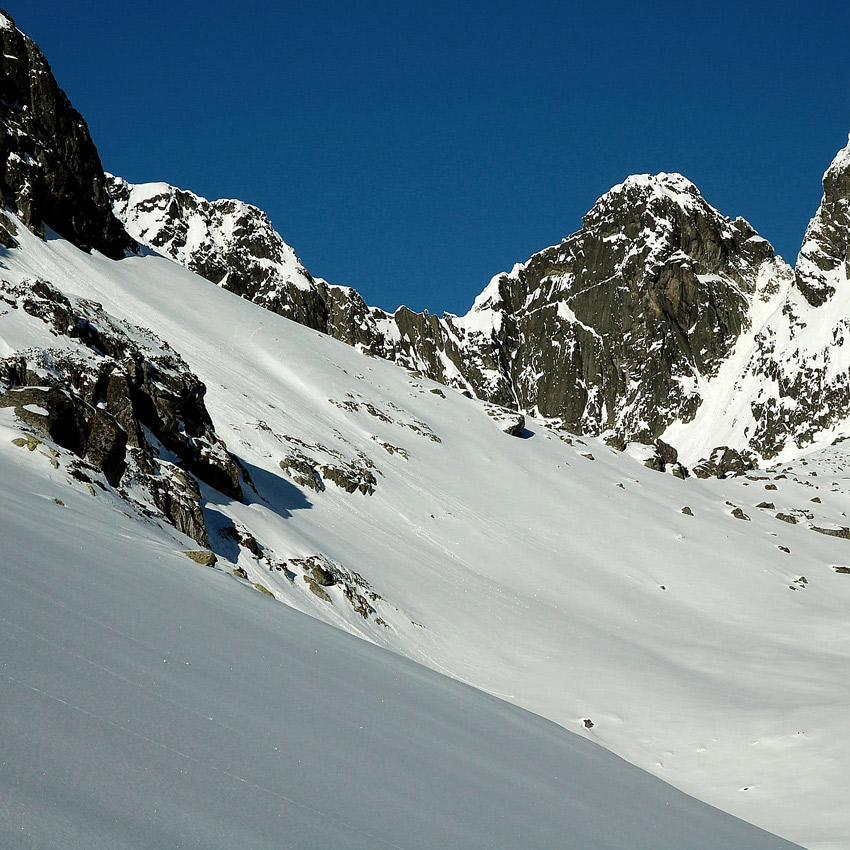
(824, 260)
(50, 171)
(666, 212)
(229, 242)
(672, 186)
(614, 327)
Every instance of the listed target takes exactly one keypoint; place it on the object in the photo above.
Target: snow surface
(149, 702)
(516, 565)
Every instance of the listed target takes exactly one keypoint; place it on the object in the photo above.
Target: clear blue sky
(413, 150)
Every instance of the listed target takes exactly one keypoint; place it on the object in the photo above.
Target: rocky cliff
(119, 400)
(50, 171)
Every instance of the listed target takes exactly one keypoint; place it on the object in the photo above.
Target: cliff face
(50, 171)
(614, 327)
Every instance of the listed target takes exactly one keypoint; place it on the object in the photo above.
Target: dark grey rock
(832, 532)
(97, 399)
(51, 174)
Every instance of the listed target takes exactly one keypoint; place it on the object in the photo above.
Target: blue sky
(413, 150)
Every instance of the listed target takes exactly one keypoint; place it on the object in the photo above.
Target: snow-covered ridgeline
(655, 270)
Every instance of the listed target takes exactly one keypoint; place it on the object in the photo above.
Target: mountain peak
(840, 164)
(671, 183)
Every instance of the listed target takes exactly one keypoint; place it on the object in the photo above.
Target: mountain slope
(519, 565)
(151, 702)
(693, 627)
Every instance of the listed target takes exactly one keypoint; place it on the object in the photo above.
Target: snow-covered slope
(558, 575)
(149, 702)
(693, 627)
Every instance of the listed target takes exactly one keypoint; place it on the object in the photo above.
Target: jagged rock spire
(824, 260)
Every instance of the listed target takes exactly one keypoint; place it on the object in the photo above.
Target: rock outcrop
(786, 384)
(824, 260)
(119, 398)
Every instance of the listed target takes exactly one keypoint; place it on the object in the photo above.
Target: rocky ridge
(659, 317)
(610, 330)
(785, 386)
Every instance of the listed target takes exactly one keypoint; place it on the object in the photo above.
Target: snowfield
(149, 702)
(551, 572)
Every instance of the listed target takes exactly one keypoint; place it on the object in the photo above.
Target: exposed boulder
(320, 572)
(244, 538)
(50, 412)
(509, 421)
(352, 477)
(302, 471)
(177, 496)
(655, 463)
(317, 589)
(723, 462)
(664, 457)
(616, 441)
(201, 556)
(844, 533)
